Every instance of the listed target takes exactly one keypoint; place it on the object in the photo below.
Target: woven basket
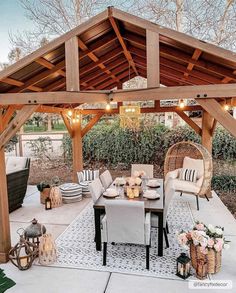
(213, 258)
(44, 194)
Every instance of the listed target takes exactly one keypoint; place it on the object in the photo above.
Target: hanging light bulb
(70, 113)
(73, 120)
(108, 106)
(181, 104)
(226, 107)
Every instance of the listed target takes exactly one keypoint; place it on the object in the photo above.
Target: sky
(12, 19)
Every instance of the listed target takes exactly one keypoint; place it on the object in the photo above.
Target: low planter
(212, 258)
(44, 194)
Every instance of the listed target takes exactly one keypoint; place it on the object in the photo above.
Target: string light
(108, 106)
(226, 107)
(181, 104)
(70, 113)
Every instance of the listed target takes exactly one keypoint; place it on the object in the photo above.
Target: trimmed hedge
(224, 183)
(108, 143)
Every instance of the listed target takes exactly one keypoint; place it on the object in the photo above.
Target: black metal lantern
(23, 253)
(48, 203)
(183, 266)
(34, 231)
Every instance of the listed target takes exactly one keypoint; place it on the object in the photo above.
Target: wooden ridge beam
(216, 111)
(121, 40)
(189, 121)
(91, 123)
(94, 58)
(39, 77)
(16, 123)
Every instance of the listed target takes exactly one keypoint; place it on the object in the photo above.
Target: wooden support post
(207, 123)
(77, 147)
(91, 123)
(73, 84)
(153, 62)
(5, 237)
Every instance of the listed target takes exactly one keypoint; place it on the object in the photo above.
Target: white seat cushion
(185, 186)
(14, 164)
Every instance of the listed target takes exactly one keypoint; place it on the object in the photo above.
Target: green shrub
(224, 183)
(109, 144)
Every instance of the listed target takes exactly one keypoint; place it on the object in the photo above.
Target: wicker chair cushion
(185, 186)
(188, 175)
(14, 164)
(198, 165)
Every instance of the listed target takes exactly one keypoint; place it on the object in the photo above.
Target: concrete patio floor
(61, 280)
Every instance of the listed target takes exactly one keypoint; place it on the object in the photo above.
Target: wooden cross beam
(16, 123)
(91, 123)
(18, 83)
(67, 124)
(7, 116)
(189, 121)
(121, 40)
(216, 111)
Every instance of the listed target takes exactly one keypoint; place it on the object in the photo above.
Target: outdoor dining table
(155, 206)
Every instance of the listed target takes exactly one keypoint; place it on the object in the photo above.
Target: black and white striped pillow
(188, 175)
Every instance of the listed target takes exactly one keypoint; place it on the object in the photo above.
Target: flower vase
(213, 258)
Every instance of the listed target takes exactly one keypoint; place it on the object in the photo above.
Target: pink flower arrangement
(206, 236)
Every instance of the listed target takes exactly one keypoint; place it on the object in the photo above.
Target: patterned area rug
(76, 246)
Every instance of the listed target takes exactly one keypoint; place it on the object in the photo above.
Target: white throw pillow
(188, 175)
(195, 164)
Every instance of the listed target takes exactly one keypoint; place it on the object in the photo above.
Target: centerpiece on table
(206, 243)
(133, 187)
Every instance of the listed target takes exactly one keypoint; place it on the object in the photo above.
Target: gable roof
(106, 43)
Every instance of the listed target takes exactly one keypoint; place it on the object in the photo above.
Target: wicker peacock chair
(174, 160)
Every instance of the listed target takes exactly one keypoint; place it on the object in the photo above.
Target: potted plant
(44, 189)
(206, 243)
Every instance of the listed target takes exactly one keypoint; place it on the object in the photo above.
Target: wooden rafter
(94, 58)
(189, 121)
(39, 77)
(18, 83)
(16, 123)
(196, 55)
(42, 61)
(217, 112)
(121, 40)
(91, 123)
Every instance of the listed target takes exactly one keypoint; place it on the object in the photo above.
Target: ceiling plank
(196, 55)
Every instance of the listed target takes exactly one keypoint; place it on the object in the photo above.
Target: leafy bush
(11, 144)
(109, 144)
(224, 183)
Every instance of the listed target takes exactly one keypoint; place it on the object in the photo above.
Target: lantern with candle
(183, 266)
(47, 250)
(34, 231)
(23, 253)
(48, 203)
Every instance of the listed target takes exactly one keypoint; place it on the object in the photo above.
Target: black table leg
(97, 214)
(160, 234)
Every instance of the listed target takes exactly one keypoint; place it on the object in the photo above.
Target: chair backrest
(87, 175)
(125, 221)
(169, 194)
(148, 169)
(106, 179)
(96, 189)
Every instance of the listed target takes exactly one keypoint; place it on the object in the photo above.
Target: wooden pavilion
(90, 63)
